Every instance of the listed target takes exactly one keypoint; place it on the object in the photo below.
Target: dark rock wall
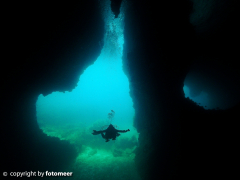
(162, 40)
(47, 47)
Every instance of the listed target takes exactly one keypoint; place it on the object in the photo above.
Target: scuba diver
(109, 133)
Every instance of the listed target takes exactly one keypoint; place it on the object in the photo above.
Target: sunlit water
(73, 115)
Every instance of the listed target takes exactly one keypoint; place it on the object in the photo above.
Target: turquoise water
(72, 116)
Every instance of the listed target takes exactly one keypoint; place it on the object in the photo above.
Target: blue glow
(202, 99)
(73, 116)
(101, 88)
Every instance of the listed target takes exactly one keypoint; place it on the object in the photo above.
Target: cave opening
(73, 116)
(211, 84)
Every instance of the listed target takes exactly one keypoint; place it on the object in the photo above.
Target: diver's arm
(123, 131)
(97, 132)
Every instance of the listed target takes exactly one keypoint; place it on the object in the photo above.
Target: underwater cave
(167, 71)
